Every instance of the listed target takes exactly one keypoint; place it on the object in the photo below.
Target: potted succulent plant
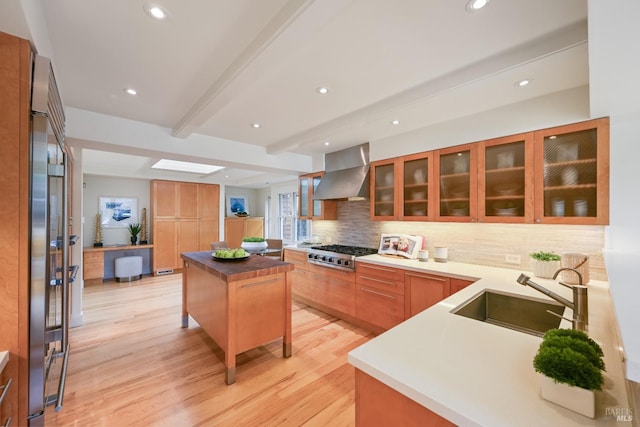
(134, 229)
(571, 365)
(544, 264)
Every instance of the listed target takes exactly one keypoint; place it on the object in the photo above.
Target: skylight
(174, 165)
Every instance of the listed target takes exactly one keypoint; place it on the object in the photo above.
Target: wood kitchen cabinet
(301, 285)
(505, 179)
(184, 218)
(377, 404)
(456, 285)
(401, 188)
(380, 295)
(456, 193)
(314, 209)
(424, 290)
(572, 174)
(333, 288)
(236, 229)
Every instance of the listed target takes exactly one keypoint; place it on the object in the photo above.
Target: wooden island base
(240, 305)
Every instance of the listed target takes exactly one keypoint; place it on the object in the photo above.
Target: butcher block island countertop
(239, 304)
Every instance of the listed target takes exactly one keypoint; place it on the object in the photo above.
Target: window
(292, 229)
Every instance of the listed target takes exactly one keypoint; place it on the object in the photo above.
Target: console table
(98, 263)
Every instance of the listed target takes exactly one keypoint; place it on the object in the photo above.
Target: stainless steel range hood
(346, 175)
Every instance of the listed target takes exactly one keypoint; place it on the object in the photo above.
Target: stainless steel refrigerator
(50, 273)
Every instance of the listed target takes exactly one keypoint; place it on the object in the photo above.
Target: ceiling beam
(285, 32)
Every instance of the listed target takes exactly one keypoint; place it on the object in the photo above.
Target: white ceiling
(216, 66)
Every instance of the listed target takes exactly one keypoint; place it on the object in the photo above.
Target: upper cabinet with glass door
(572, 174)
(384, 194)
(505, 179)
(314, 209)
(456, 192)
(416, 184)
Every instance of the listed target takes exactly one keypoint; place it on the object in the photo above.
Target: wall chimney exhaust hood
(346, 175)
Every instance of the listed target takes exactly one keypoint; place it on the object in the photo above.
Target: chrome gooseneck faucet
(579, 305)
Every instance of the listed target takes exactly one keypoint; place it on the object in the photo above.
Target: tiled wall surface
(484, 244)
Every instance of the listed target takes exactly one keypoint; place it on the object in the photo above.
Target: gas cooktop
(338, 256)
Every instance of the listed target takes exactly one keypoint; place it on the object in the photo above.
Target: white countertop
(477, 374)
(4, 359)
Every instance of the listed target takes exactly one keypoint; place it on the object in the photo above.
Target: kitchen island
(458, 371)
(239, 304)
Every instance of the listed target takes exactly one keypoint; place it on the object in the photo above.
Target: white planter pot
(577, 399)
(253, 246)
(544, 269)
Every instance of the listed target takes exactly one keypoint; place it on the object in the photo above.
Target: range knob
(346, 263)
(339, 261)
(330, 259)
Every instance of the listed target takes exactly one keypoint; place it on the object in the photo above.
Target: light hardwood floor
(131, 364)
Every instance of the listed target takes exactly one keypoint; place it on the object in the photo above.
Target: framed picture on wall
(237, 204)
(118, 212)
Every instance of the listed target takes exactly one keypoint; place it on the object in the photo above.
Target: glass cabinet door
(384, 193)
(415, 188)
(317, 204)
(574, 179)
(303, 210)
(505, 186)
(457, 190)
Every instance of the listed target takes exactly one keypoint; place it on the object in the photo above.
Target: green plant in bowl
(570, 357)
(134, 229)
(254, 239)
(545, 256)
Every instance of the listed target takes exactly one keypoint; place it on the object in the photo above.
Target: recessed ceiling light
(523, 82)
(395, 122)
(256, 125)
(322, 90)
(156, 12)
(175, 165)
(327, 143)
(474, 5)
(130, 91)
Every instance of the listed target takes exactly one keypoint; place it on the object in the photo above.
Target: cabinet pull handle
(4, 389)
(373, 279)
(375, 267)
(264, 282)
(371, 291)
(8, 423)
(422, 276)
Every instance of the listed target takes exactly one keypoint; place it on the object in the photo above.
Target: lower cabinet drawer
(380, 308)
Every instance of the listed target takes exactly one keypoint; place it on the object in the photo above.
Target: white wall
(96, 186)
(614, 87)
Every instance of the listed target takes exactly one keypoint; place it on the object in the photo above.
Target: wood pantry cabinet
(236, 229)
(184, 218)
(314, 209)
(401, 188)
(380, 295)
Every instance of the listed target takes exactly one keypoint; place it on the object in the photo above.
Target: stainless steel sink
(517, 312)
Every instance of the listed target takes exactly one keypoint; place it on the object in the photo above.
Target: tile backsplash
(473, 243)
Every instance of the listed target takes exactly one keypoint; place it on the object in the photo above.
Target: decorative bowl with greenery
(571, 364)
(571, 357)
(254, 243)
(544, 264)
